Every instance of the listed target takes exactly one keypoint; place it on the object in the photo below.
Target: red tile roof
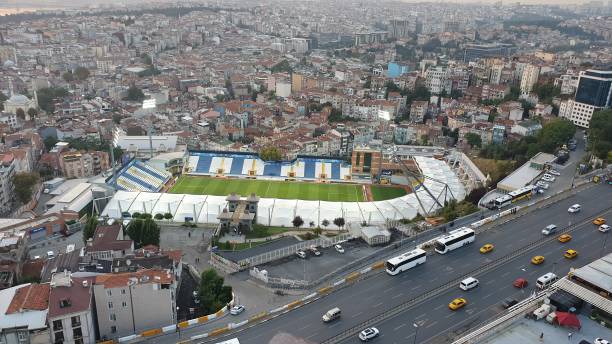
(33, 297)
(77, 295)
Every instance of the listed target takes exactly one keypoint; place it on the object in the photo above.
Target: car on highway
(550, 229)
(599, 221)
(457, 303)
(339, 248)
(301, 254)
(537, 260)
(237, 310)
(368, 333)
(554, 172)
(565, 237)
(331, 314)
(468, 283)
(520, 283)
(574, 208)
(600, 341)
(509, 302)
(314, 251)
(570, 254)
(603, 228)
(50, 254)
(544, 185)
(486, 248)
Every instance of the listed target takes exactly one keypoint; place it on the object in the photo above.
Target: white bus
(514, 196)
(455, 239)
(406, 261)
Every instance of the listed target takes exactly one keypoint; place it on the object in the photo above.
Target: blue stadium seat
(204, 163)
(237, 163)
(138, 181)
(335, 170)
(309, 168)
(272, 169)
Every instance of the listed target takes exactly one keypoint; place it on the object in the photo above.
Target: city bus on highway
(455, 239)
(406, 261)
(514, 196)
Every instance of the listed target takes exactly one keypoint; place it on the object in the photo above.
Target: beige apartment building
(132, 302)
(83, 164)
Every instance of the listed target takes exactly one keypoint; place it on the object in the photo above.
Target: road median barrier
(352, 276)
(338, 282)
(308, 297)
(150, 333)
(182, 324)
(220, 313)
(218, 331)
(325, 290)
(378, 265)
(259, 316)
(203, 319)
(295, 304)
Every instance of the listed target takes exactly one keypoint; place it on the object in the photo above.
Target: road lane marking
(440, 306)
(377, 305)
(400, 326)
(505, 274)
(388, 290)
(488, 295)
(415, 288)
(450, 315)
(432, 324)
(398, 295)
(420, 316)
(357, 314)
(490, 282)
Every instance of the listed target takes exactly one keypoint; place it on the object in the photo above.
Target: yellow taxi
(487, 248)
(570, 254)
(565, 238)
(537, 260)
(599, 221)
(457, 303)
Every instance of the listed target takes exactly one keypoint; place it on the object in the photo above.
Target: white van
(550, 229)
(331, 314)
(468, 283)
(546, 280)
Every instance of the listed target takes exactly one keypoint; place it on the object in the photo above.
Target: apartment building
(437, 80)
(593, 94)
(23, 314)
(7, 189)
(418, 110)
(132, 302)
(108, 243)
(71, 316)
(83, 164)
(529, 78)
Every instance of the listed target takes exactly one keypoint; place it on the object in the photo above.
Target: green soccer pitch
(308, 191)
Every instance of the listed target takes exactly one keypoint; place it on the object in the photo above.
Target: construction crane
(418, 181)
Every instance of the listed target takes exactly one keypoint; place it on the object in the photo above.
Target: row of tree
(142, 229)
(298, 222)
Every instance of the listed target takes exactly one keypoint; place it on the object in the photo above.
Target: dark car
(509, 302)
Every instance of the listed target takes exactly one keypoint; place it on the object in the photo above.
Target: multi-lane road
(366, 299)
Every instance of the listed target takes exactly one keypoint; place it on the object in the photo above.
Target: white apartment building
(594, 92)
(70, 317)
(7, 189)
(436, 80)
(529, 78)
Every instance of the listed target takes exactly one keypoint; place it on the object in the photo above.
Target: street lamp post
(603, 247)
(416, 332)
(553, 267)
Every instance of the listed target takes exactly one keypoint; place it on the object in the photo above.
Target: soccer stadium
(315, 189)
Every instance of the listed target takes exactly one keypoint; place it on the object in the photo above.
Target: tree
(90, 227)
(47, 96)
(144, 231)
(20, 113)
(600, 134)
(24, 182)
(339, 222)
(159, 216)
(50, 142)
(282, 66)
(117, 118)
(270, 153)
(212, 293)
(317, 230)
(297, 222)
(555, 134)
(135, 94)
(32, 112)
(68, 76)
(168, 216)
(474, 140)
(81, 73)
(325, 223)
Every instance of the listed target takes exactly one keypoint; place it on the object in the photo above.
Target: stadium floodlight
(149, 104)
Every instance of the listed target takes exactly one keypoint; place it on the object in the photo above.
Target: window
(109, 293)
(77, 333)
(110, 305)
(59, 337)
(122, 291)
(22, 336)
(124, 304)
(78, 341)
(57, 325)
(76, 321)
(113, 329)
(112, 317)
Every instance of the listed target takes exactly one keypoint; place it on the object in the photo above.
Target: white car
(544, 185)
(574, 208)
(554, 172)
(237, 310)
(314, 251)
(339, 248)
(368, 333)
(50, 254)
(604, 228)
(600, 341)
(301, 254)
(548, 178)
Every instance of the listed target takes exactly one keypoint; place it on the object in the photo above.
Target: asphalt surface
(364, 300)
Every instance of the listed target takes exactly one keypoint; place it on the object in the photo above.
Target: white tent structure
(442, 183)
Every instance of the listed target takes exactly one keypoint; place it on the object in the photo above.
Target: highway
(363, 300)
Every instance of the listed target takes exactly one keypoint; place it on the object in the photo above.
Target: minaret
(36, 98)
(11, 90)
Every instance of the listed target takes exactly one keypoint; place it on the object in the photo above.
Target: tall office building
(594, 93)
(529, 78)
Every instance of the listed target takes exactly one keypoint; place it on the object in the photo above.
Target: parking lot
(314, 267)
